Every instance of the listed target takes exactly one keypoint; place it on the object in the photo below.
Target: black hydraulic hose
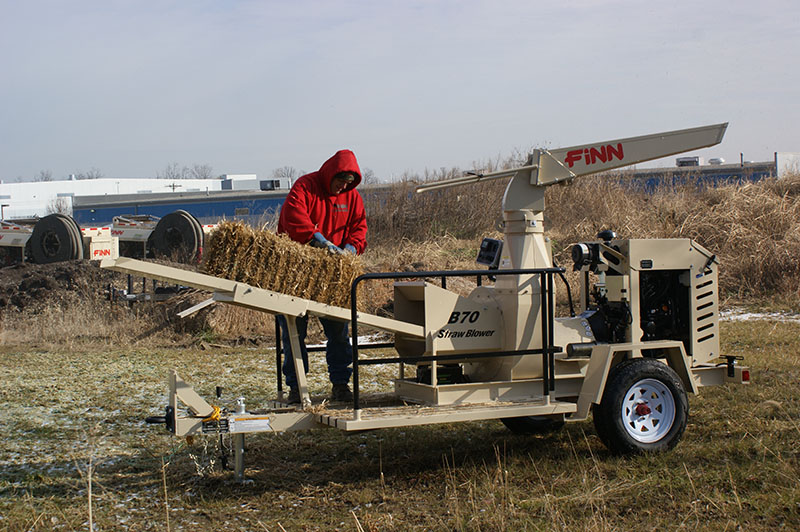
(569, 294)
(569, 290)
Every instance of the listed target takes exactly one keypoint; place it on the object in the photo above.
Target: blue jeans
(338, 351)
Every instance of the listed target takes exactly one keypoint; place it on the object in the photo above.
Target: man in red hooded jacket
(324, 209)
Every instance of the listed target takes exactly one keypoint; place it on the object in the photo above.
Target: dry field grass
(80, 376)
(73, 423)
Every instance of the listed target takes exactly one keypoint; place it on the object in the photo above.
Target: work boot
(341, 392)
(294, 396)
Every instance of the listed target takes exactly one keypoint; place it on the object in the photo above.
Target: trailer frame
(502, 401)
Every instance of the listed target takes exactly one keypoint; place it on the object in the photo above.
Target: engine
(650, 289)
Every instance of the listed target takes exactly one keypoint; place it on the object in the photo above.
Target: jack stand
(238, 457)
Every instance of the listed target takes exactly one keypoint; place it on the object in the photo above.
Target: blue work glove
(319, 241)
(350, 249)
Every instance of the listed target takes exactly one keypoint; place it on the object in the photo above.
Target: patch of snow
(737, 314)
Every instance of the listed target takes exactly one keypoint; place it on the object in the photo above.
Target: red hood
(342, 161)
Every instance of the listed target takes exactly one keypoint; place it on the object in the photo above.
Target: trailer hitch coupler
(167, 419)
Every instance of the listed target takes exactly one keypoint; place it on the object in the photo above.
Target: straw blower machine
(645, 332)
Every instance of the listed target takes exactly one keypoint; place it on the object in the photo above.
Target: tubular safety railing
(547, 351)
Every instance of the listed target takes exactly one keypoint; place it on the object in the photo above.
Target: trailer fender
(605, 356)
(681, 364)
(595, 381)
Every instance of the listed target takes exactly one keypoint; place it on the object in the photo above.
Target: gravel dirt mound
(30, 287)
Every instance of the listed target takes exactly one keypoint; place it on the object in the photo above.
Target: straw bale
(275, 262)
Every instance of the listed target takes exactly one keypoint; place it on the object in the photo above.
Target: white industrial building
(28, 200)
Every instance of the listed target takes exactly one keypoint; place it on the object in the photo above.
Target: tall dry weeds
(753, 228)
(399, 213)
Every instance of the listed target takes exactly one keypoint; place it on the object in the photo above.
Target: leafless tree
(44, 175)
(197, 171)
(289, 172)
(94, 173)
(172, 171)
(202, 171)
(368, 177)
(58, 206)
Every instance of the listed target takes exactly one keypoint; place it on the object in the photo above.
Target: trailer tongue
(647, 333)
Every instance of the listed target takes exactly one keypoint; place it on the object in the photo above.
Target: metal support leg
(297, 358)
(278, 358)
(238, 457)
(434, 369)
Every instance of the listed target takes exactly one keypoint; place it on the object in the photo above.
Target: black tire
(644, 408)
(533, 424)
(177, 236)
(198, 231)
(54, 239)
(77, 236)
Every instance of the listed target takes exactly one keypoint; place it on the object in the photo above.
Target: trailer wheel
(177, 235)
(533, 424)
(198, 231)
(77, 236)
(199, 235)
(56, 238)
(644, 408)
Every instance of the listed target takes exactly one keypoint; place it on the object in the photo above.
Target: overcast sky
(128, 87)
